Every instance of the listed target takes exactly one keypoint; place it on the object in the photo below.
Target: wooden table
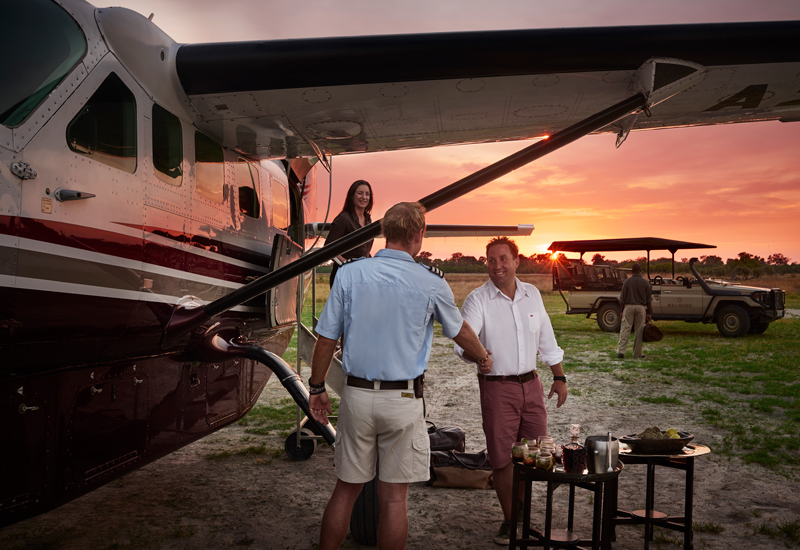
(602, 515)
(649, 516)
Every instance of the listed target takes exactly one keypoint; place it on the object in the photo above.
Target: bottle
(573, 454)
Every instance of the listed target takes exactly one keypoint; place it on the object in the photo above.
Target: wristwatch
(562, 378)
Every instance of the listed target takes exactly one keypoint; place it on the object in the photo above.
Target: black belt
(512, 378)
(356, 382)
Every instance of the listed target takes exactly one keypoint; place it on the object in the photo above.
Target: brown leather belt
(356, 382)
(512, 378)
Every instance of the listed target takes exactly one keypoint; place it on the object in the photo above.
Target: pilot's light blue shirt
(385, 306)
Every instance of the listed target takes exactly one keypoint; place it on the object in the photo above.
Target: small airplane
(157, 199)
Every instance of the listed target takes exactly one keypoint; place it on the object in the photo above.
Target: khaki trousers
(633, 317)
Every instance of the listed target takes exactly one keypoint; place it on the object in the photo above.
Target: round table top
(689, 451)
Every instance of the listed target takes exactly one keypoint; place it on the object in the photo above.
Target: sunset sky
(735, 186)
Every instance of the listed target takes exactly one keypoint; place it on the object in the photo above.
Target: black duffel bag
(446, 439)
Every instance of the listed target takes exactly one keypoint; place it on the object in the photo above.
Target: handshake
(485, 365)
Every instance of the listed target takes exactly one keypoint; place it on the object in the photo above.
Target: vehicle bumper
(771, 314)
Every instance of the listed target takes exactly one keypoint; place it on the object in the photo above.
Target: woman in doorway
(354, 215)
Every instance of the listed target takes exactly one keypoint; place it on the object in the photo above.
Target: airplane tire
(733, 322)
(307, 446)
(608, 317)
(366, 515)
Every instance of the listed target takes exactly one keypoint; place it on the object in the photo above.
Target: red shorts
(511, 411)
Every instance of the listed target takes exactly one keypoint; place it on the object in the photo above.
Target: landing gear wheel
(608, 317)
(307, 446)
(366, 515)
(758, 327)
(733, 322)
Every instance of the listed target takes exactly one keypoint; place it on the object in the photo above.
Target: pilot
(635, 303)
(385, 306)
(510, 319)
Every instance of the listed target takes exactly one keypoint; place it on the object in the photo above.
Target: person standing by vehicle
(354, 215)
(510, 319)
(385, 306)
(635, 308)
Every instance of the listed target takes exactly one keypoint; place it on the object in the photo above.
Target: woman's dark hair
(351, 193)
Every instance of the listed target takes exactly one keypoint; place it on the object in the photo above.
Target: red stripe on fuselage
(125, 246)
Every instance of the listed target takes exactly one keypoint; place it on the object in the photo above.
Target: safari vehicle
(595, 289)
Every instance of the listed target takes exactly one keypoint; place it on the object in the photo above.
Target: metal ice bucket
(601, 456)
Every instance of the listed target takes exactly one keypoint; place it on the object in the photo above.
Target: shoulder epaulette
(434, 270)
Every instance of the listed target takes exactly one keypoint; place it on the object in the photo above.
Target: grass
(787, 529)
(280, 419)
(257, 450)
(715, 528)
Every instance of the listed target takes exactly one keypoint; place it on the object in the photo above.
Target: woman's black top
(344, 224)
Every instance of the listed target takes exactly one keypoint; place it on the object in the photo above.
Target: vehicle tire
(366, 515)
(757, 327)
(733, 322)
(608, 317)
(307, 446)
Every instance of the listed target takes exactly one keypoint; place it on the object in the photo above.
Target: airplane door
(282, 300)
(79, 267)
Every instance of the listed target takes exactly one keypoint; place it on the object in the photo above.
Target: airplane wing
(313, 97)
(444, 230)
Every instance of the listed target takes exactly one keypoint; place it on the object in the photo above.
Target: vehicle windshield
(40, 44)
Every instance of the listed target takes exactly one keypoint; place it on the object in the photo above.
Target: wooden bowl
(656, 446)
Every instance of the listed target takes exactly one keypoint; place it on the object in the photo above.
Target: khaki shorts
(383, 423)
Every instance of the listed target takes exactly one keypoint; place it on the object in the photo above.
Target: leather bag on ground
(447, 438)
(652, 333)
(461, 470)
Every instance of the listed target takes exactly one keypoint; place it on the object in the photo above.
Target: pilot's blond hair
(403, 221)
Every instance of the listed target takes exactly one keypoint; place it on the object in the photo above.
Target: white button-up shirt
(514, 330)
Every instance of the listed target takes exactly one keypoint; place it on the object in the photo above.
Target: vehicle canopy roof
(620, 245)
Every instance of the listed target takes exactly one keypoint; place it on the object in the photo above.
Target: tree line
(744, 266)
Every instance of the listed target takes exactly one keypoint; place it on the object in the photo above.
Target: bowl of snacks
(653, 441)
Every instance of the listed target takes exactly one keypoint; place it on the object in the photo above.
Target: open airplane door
(282, 299)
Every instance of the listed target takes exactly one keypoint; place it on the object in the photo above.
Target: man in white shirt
(510, 320)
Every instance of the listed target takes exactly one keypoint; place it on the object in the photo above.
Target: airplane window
(209, 168)
(41, 44)
(105, 129)
(167, 146)
(280, 205)
(248, 188)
